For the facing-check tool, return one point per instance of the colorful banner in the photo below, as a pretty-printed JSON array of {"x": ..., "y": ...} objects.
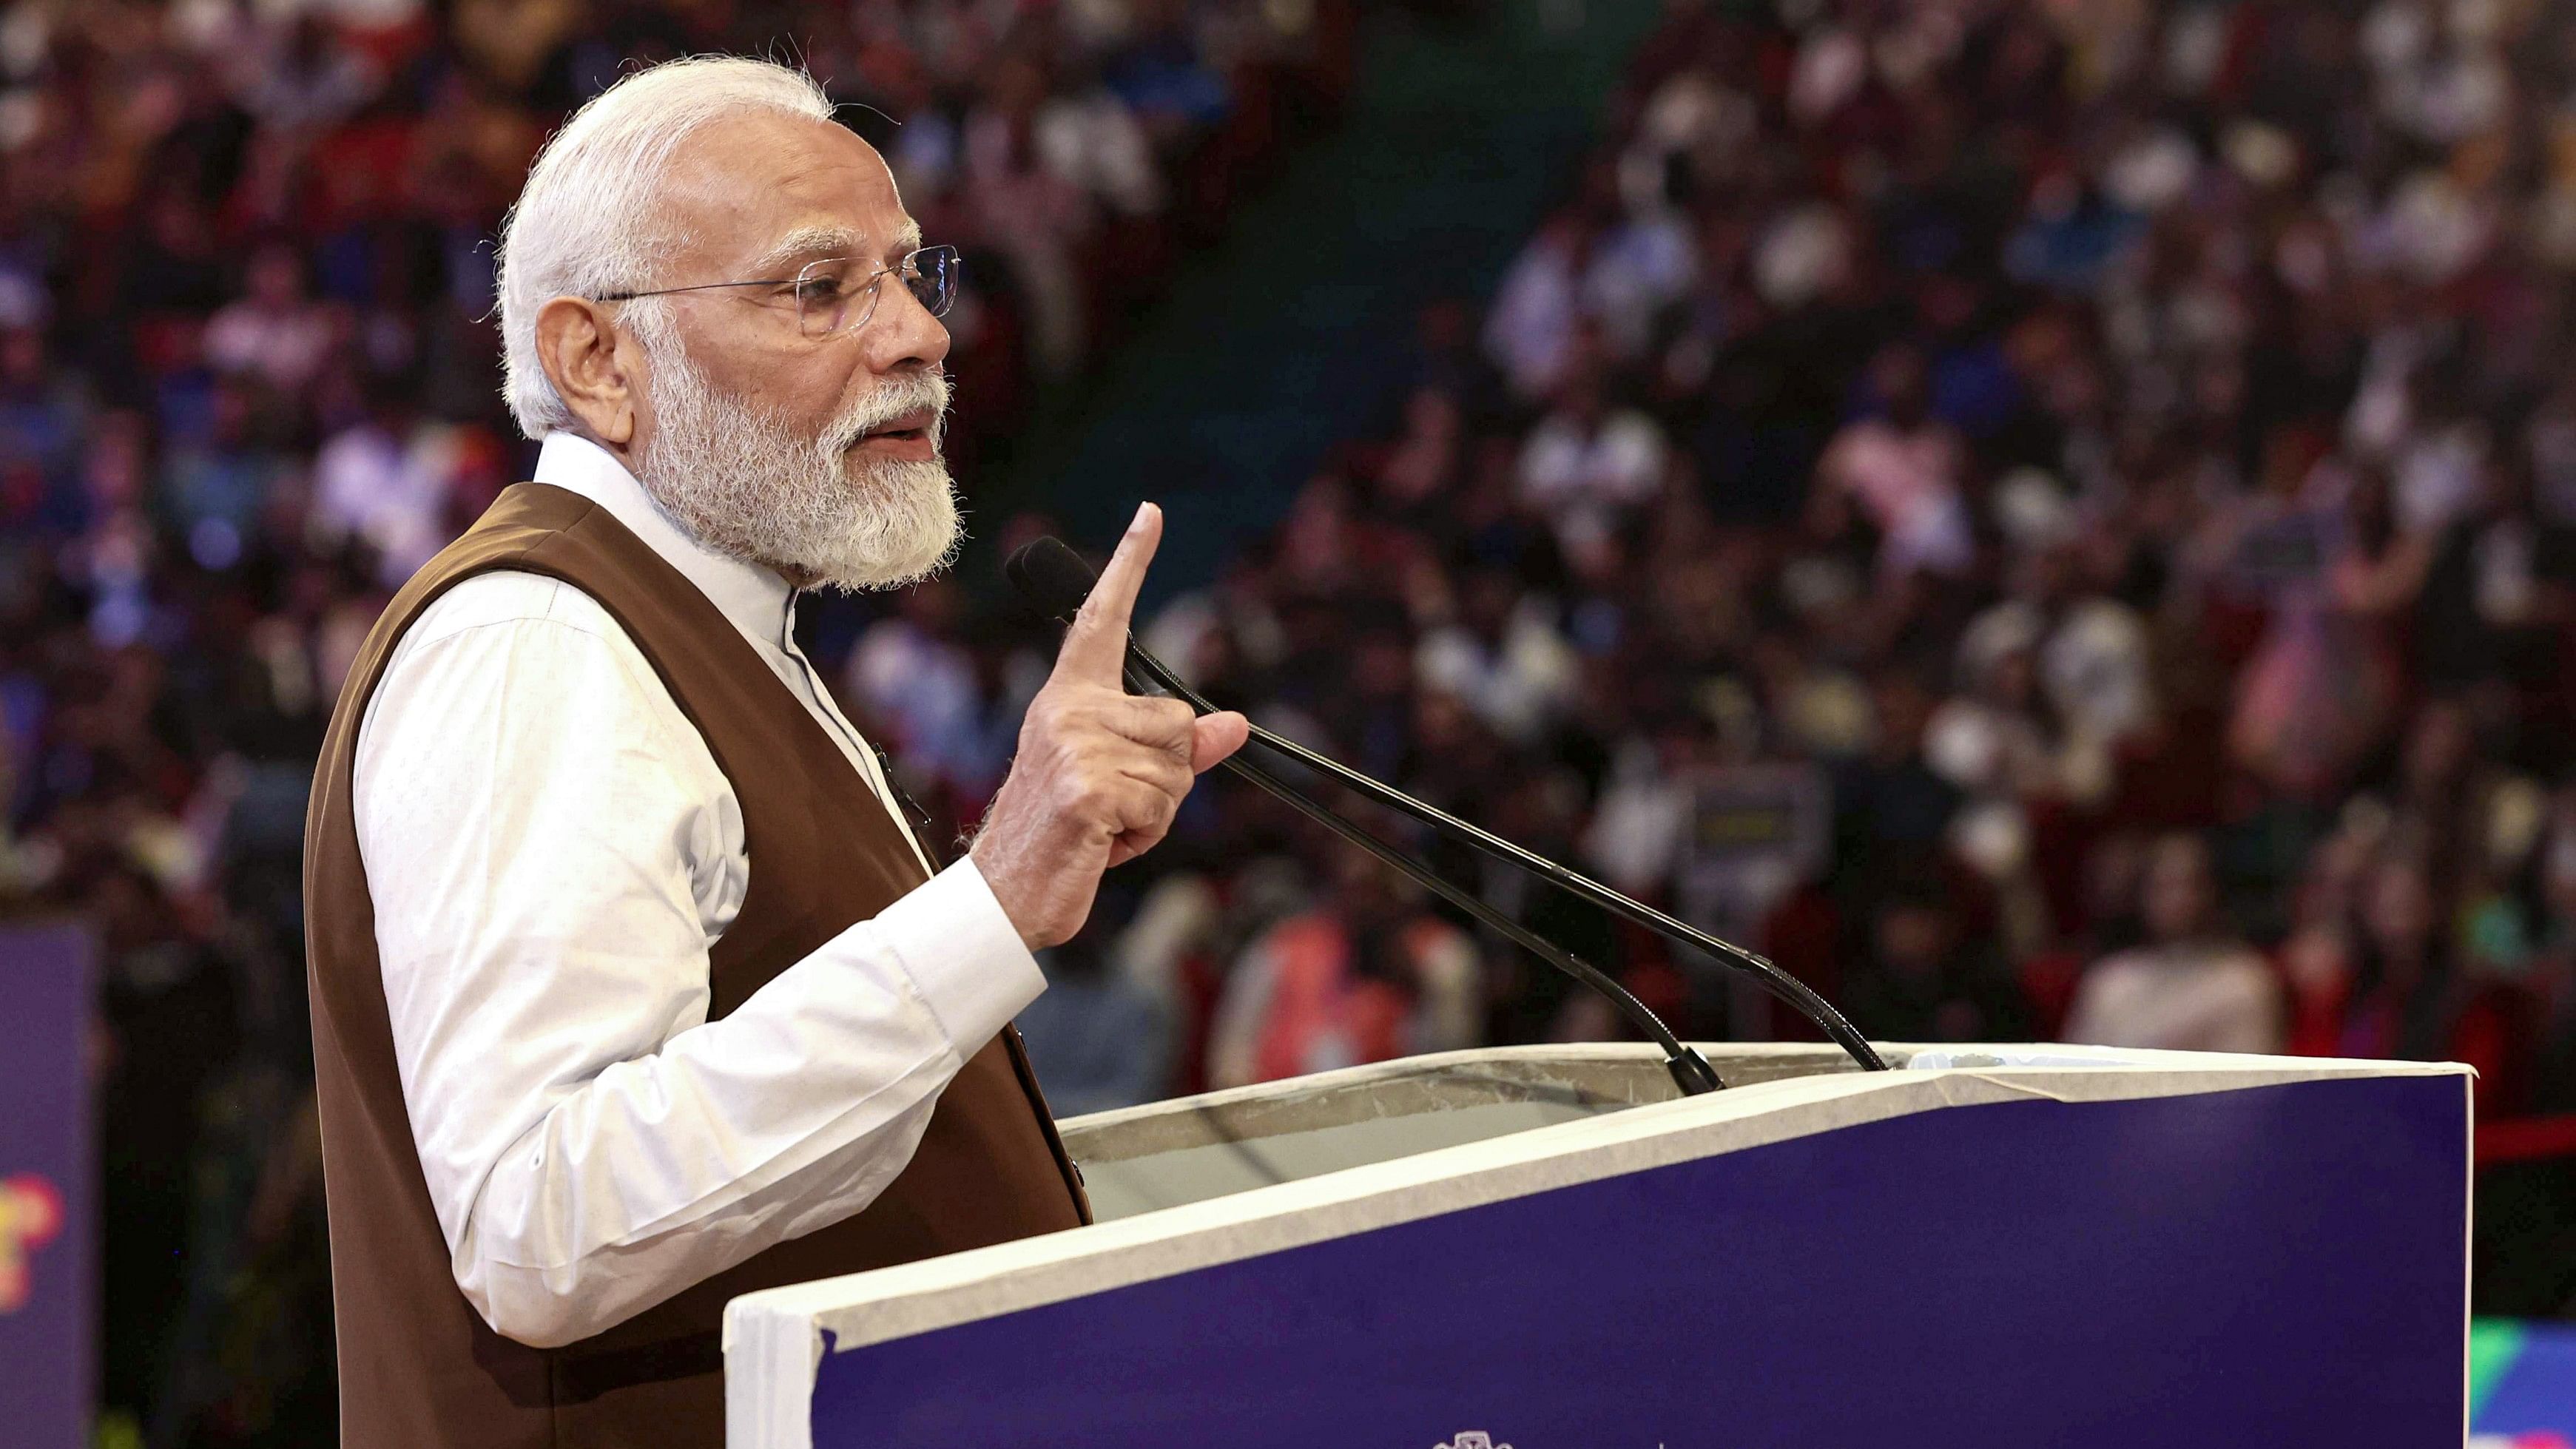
[
  {"x": 2522, "y": 1385},
  {"x": 47, "y": 1213}
]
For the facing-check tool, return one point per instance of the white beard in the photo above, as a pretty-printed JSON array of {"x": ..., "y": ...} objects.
[{"x": 741, "y": 482}]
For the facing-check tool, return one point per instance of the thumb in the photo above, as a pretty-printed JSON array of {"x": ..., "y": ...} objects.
[{"x": 1215, "y": 736}]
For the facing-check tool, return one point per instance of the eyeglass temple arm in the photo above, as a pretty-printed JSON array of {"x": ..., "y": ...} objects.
[{"x": 875, "y": 277}]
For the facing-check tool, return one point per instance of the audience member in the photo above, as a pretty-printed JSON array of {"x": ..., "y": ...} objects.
[{"x": 2192, "y": 986}]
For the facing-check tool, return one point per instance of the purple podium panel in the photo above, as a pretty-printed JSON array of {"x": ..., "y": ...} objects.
[
  {"x": 45, "y": 1206},
  {"x": 2274, "y": 1264}
]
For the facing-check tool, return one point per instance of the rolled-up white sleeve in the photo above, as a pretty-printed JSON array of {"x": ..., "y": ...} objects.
[{"x": 552, "y": 852}]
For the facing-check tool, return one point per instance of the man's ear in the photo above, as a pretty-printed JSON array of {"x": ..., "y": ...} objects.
[{"x": 594, "y": 367}]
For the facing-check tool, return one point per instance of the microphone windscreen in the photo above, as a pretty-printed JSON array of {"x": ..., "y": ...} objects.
[{"x": 1051, "y": 576}]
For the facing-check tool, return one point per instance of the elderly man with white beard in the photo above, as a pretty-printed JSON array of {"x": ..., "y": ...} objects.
[{"x": 631, "y": 989}]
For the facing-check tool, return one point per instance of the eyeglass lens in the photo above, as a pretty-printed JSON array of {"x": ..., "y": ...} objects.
[{"x": 842, "y": 292}]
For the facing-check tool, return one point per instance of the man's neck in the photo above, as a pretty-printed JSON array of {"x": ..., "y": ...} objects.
[
  {"x": 631, "y": 459},
  {"x": 750, "y": 593}
]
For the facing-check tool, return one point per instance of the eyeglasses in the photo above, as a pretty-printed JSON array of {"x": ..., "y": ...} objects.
[{"x": 837, "y": 294}]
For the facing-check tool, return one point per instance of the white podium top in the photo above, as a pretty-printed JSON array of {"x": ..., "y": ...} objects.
[{"x": 1200, "y": 1181}]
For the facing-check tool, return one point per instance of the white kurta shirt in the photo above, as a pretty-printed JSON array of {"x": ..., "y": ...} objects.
[{"x": 552, "y": 851}]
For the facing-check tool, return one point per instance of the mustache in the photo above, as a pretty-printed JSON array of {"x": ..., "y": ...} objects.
[{"x": 912, "y": 392}]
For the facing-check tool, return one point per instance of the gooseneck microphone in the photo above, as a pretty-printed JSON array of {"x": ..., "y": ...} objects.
[{"x": 1053, "y": 578}]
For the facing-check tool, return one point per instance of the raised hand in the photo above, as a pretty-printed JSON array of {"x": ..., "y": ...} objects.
[{"x": 1100, "y": 772}]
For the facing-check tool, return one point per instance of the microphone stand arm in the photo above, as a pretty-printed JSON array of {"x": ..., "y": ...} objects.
[
  {"x": 1690, "y": 1070},
  {"x": 1779, "y": 983}
]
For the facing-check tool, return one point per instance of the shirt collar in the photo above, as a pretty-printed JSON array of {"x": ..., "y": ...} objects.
[{"x": 753, "y": 597}]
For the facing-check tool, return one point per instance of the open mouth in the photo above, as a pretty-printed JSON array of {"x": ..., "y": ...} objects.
[{"x": 908, "y": 427}]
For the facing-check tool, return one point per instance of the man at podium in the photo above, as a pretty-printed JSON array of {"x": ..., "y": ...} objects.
[{"x": 632, "y": 991}]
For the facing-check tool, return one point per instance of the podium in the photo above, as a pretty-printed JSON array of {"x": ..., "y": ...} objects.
[{"x": 1548, "y": 1248}]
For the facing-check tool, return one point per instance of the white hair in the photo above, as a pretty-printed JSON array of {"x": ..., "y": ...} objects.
[{"x": 592, "y": 219}]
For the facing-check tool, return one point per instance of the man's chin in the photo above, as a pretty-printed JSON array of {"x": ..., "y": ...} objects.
[
  {"x": 877, "y": 577},
  {"x": 923, "y": 543},
  {"x": 877, "y": 472}
]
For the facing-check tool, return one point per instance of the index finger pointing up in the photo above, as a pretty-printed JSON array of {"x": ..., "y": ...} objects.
[{"x": 1095, "y": 648}]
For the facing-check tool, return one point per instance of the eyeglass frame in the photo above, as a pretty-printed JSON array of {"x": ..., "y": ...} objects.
[{"x": 875, "y": 285}]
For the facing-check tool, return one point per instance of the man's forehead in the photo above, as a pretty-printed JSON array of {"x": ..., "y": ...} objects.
[{"x": 765, "y": 186}]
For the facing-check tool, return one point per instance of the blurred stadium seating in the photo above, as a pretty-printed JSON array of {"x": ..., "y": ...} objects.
[{"x": 2050, "y": 519}]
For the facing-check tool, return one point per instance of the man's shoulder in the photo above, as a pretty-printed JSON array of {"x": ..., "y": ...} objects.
[
  {"x": 546, "y": 646},
  {"x": 502, "y": 597}
]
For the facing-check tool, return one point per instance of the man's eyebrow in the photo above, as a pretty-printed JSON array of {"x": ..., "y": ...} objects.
[{"x": 808, "y": 243}]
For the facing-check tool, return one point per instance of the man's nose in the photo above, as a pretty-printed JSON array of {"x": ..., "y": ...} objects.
[{"x": 903, "y": 334}]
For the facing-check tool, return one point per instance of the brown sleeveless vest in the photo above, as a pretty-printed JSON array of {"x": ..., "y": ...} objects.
[{"x": 419, "y": 1369}]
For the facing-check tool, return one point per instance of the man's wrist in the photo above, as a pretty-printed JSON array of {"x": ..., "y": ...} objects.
[
  {"x": 992, "y": 867},
  {"x": 965, "y": 954}
]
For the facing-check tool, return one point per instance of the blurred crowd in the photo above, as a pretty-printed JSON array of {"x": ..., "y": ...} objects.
[
  {"x": 2051, "y": 521},
  {"x": 249, "y": 381}
]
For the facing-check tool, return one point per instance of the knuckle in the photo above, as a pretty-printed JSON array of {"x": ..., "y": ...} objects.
[
  {"x": 1071, "y": 717},
  {"x": 1093, "y": 785}
]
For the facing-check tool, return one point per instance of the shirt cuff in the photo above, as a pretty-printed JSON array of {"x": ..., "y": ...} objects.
[{"x": 963, "y": 954}]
